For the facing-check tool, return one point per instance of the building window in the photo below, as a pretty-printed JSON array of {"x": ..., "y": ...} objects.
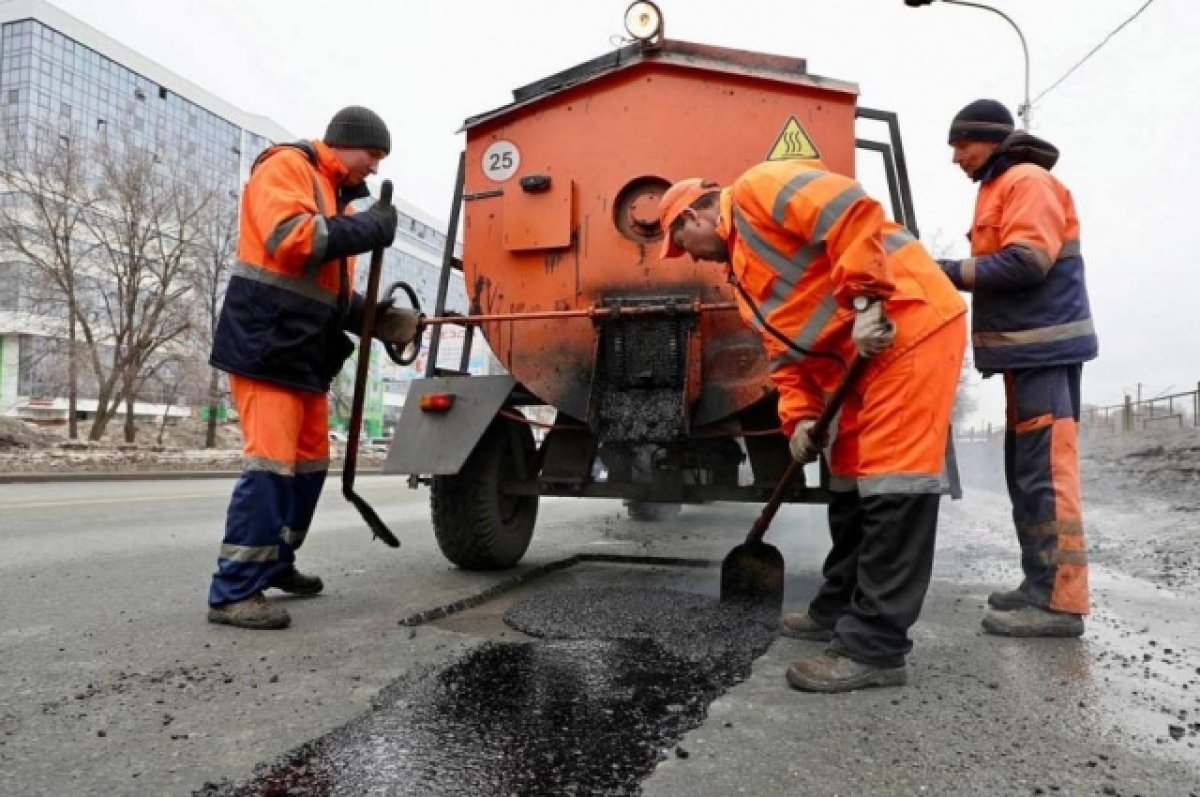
[
  {"x": 162, "y": 92},
  {"x": 38, "y": 370},
  {"x": 12, "y": 284},
  {"x": 14, "y": 96}
]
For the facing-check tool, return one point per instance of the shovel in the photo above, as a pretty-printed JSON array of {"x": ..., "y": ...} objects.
[
  {"x": 753, "y": 571},
  {"x": 360, "y": 391}
]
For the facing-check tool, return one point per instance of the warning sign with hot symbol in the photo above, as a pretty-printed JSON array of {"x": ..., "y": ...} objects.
[{"x": 793, "y": 142}]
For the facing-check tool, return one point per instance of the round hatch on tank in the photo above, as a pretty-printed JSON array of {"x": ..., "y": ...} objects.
[{"x": 635, "y": 211}]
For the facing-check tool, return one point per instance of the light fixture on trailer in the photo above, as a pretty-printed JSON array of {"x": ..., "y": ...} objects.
[{"x": 644, "y": 22}]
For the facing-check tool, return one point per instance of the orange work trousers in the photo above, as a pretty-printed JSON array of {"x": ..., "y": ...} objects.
[
  {"x": 1041, "y": 467},
  {"x": 286, "y": 451}
]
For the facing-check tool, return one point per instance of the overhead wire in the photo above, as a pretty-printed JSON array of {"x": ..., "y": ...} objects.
[{"x": 1092, "y": 52}]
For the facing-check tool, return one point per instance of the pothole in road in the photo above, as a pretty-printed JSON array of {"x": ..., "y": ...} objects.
[{"x": 588, "y": 678}]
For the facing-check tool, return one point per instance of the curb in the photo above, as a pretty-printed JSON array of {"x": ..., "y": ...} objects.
[{"x": 138, "y": 476}]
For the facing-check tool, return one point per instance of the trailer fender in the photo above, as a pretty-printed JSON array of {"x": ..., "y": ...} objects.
[{"x": 438, "y": 443}]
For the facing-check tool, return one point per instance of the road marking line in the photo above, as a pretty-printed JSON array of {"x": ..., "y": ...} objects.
[
  {"x": 79, "y": 501},
  {"x": 130, "y": 500}
]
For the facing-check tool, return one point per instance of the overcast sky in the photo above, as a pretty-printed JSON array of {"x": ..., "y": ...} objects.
[{"x": 1127, "y": 122}]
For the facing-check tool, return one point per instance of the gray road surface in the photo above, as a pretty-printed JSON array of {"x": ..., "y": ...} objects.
[{"x": 113, "y": 683}]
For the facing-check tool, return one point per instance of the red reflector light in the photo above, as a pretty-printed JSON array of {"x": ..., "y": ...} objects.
[{"x": 437, "y": 402}]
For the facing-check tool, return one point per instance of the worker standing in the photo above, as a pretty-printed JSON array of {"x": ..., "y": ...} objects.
[
  {"x": 815, "y": 263},
  {"x": 281, "y": 337},
  {"x": 1031, "y": 322}
]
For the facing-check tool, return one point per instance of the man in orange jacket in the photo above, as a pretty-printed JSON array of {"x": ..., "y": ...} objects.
[
  {"x": 1031, "y": 322},
  {"x": 815, "y": 263},
  {"x": 281, "y": 337}
]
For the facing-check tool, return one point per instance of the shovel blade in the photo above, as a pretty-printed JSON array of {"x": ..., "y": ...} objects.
[{"x": 752, "y": 573}]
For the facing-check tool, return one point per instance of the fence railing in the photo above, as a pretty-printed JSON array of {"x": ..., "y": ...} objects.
[{"x": 1173, "y": 411}]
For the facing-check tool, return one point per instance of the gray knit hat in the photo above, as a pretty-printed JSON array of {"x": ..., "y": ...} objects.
[{"x": 356, "y": 127}]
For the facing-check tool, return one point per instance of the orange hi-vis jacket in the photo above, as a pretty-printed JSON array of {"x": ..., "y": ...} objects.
[
  {"x": 1026, "y": 273},
  {"x": 803, "y": 242},
  {"x": 282, "y": 320}
]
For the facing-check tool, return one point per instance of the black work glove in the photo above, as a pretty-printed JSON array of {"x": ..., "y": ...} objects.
[
  {"x": 382, "y": 219},
  {"x": 356, "y": 233}
]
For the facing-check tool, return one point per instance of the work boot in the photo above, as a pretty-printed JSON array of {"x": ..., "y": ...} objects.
[
  {"x": 798, "y": 625},
  {"x": 253, "y": 612},
  {"x": 1009, "y": 600},
  {"x": 833, "y": 672},
  {"x": 1032, "y": 621},
  {"x": 293, "y": 582}
]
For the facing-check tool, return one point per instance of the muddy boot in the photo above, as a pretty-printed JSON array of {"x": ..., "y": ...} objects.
[
  {"x": 832, "y": 672},
  {"x": 293, "y": 582},
  {"x": 1012, "y": 599},
  {"x": 1032, "y": 621},
  {"x": 798, "y": 625},
  {"x": 253, "y": 612}
]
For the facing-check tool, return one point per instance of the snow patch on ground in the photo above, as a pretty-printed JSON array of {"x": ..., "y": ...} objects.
[
  {"x": 1141, "y": 501},
  {"x": 28, "y": 448}
]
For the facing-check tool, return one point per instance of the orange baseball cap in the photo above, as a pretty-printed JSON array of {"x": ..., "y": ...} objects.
[{"x": 677, "y": 198}]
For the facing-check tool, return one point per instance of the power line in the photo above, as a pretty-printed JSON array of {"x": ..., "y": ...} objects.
[{"x": 1093, "y": 51}]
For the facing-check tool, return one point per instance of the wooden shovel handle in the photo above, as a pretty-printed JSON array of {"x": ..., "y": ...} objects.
[{"x": 819, "y": 431}]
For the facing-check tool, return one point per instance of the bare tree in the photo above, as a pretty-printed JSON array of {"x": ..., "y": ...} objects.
[
  {"x": 216, "y": 248},
  {"x": 175, "y": 381},
  {"x": 111, "y": 235},
  {"x": 145, "y": 223},
  {"x": 965, "y": 401},
  {"x": 45, "y": 176}
]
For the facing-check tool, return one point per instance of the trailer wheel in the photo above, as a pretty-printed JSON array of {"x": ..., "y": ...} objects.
[
  {"x": 651, "y": 512},
  {"x": 477, "y": 526}
]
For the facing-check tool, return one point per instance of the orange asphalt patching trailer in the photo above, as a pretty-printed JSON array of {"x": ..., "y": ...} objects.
[
  {"x": 602, "y": 151},
  {"x": 660, "y": 391}
]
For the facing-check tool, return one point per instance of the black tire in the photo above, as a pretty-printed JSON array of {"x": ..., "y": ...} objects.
[
  {"x": 652, "y": 512},
  {"x": 476, "y": 526}
]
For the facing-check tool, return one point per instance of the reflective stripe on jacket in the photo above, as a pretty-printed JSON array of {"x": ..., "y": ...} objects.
[
  {"x": 803, "y": 242},
  {"x": 281, "y": 321},
  {"x": 1026, "y": 272}
]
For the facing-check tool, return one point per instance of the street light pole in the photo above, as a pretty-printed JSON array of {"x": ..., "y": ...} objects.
[{"x": 1024, "y": 110}]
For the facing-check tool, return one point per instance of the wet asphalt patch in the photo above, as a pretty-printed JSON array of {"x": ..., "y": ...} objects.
[{"x": 615, "y": 666}]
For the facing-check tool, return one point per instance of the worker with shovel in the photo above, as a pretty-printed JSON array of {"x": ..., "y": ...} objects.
[
  {"x": 281, "y": 337},
  {"x": 827, "y": 280}
]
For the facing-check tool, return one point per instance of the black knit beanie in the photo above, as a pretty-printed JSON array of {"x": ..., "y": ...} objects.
[
  {"x": 982, "y": 120},
  {"x": 356, "y": 127}
]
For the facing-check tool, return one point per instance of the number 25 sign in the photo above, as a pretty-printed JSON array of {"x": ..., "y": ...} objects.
[{"x": 500, "y": 160}]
